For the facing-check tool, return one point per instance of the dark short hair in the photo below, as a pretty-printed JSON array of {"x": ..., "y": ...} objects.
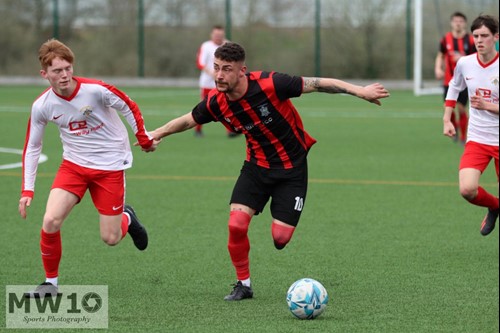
[
  {"x": 488, "y": 21},
  {"x": 231, "y": 52},
  {"x": 458, "y": 14}
]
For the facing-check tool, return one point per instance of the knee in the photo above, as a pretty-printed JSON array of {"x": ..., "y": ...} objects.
[
  {"x": 51, "y": 223},
  {"x": 282, "y": 234},
  {"x": 468, "y": 193},
  {"x": 238, "y": 224},
  {"x": 111, "y": 239}
]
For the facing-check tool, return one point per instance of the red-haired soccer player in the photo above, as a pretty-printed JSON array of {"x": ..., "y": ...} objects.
[
  {"x": 479, "y": 74},
  {"x": 96, "y": 151},
  {"x": 258, "y": 105}
]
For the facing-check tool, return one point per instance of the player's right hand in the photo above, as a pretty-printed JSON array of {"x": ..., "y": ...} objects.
[
  {"x": 24, "y": 202},
  {"x": 449, "y": 129}
]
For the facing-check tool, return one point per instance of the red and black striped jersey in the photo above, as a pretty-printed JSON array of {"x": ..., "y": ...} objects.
[
  {"x": 274, "y": 132},
  {"x": 450, "y": 46}
]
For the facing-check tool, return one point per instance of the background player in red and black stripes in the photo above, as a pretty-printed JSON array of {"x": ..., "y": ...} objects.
[
  {"x": 258, "y": 105},
  {"x": 454, "y": 45}
]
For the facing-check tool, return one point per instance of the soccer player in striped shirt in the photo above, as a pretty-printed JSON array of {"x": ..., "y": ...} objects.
[
  {"x": 258, "y": 105},
  {"x": 454, "y": 45},
  {"x": 478, "y": 73},
  {"x": 96, "y": 152}
]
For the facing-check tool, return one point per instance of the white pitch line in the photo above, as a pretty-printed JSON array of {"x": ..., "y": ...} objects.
[
  {"x": 42, "y": 159},
  {"x": 17, "y": 109}
]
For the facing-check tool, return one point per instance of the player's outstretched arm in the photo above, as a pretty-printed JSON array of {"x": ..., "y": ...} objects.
[
  {"x": 371, "y": 93},
  {"x": 176, "y": 125}
]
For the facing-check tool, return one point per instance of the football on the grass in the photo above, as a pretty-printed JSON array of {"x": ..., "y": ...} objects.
[{"x": 307, "y": 298}]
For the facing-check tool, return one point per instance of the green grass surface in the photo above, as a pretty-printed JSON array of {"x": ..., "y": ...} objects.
[{"x": 384, "y": 227}]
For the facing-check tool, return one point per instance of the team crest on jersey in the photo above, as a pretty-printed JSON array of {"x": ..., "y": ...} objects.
[
  {"x": 86, "y": 110},
  {"x": 494, "y": 80},
  {"x": 264, "y": 111}
]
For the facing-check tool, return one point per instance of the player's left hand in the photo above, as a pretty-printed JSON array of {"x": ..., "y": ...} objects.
[
  {"x": 477, "y": 102},
  {"x": 373, "y": 92}
]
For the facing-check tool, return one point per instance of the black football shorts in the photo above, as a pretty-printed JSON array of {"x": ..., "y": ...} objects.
[
  {"x": 463, "y": 96},
  {"x": 286, "y": 188}
]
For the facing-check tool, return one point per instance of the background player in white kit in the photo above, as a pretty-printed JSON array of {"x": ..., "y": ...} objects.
[
  {"x": 479, "y": 74},
  {"x": 96, "y": 151},
  {"x": 205, "y": 63}
]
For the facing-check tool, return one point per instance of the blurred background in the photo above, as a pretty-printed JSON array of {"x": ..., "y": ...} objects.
[{"x": 159, "y": 38}]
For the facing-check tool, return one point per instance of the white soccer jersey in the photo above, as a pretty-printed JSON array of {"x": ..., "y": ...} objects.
[
  {"x": 206, "y": 58},
  {"x": 91, "y": 131},
  {"x": 481, "y": 79}
]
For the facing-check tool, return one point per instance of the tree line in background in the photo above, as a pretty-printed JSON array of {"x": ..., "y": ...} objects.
[{"x": 359, "y": 38}]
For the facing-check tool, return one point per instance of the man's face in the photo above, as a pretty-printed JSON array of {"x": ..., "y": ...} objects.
[
  {"x": 228, "y": 75},
  {"x": 59, "y": 74},
  {"x": 484, "y": 39},
  {"x": 218, "y": 36},
  {"x": 458, "y": 23}
]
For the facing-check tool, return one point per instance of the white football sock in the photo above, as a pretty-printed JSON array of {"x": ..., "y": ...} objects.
[
  {"x": 246, "y": 282},
  {"x": 52, "y": 280},
  {"x": 129, "y": 218}
]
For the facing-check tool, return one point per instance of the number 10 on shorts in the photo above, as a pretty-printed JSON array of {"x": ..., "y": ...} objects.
[{"x": 299, "y": 204}]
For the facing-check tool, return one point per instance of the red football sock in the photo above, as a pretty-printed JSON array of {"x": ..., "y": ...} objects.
[
  {"x": 124, "y": 225},
  {"x": 485, "y": 199},
  {"x": 462, "y": 123},
  {"x": 51, "y": 250},
  {"x": 238, "y": 243},
  {"x": 281, "y": 234}
]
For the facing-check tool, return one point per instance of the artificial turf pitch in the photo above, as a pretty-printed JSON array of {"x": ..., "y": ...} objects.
[{"x": 384, "y": 227}]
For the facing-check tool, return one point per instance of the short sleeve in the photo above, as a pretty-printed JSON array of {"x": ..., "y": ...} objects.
[
  {"x": 201, "y": 114},
  {"x": 442, "y": 46},
  {"x": 287, "y": 86}
]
